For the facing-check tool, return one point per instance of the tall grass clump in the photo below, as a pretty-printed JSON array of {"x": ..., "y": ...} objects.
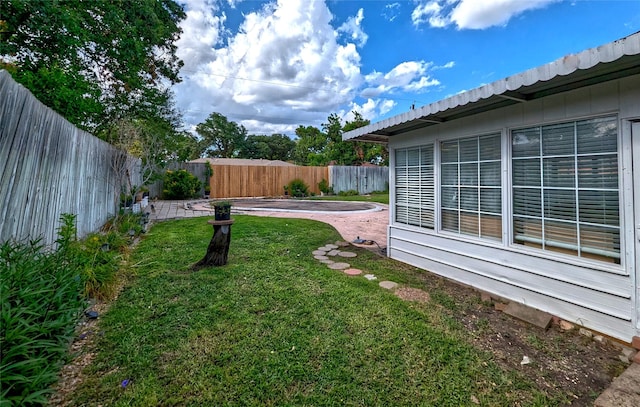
[{"x": 41, "y": 303}]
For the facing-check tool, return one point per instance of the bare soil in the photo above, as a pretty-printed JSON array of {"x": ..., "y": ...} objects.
[{"x": 566, "y": 362}]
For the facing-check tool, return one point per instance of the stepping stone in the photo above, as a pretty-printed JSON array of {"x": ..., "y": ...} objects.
[
  {"x": 319, "y": 257},
  {"x": 318, "y": 252},
  {"x": 324, "y": 248},
  {"x": 333, "y": 253},
  {"x": 389, "y": 285},
  {"x": 340, "y": 243},
  {"x": 353, "y": 272},
  {"x": 347, "y": 254},
  {"x": 339, "y": 266},
  {"x": 327, "y": 261},
  {"x": 370, "y": 277},
  {"x": 331, "y": 246}
]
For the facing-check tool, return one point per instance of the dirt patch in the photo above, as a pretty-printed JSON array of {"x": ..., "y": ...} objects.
[
  {"x": 562, "y": 363},
  {"x": 412, "y": 294},
  {"x": 83, "y": 350}
]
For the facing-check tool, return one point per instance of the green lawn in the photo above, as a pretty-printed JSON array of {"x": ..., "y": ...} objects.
[{"x": 274, "y": 327}]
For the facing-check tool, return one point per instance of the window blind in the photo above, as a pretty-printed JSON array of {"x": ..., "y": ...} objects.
[
  {"x": 470, "y": 186},
  {"x": 565, "y": 188},
  {"x": 414, "y": 190}
]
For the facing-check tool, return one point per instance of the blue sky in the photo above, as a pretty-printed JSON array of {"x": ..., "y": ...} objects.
[{"x": 274, "y": 65}]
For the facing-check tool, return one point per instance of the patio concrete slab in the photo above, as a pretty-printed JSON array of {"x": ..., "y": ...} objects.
[{"x": 624, "y": 391}]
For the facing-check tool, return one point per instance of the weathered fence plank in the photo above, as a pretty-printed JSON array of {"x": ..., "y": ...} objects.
[
  {"x": 362, "y": 179},
  {"x": 50, "y": 167}
]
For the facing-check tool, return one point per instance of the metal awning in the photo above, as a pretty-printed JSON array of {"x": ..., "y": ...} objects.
[{"x": 615, "y": 60}]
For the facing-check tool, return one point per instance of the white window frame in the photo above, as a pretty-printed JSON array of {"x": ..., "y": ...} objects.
[
  {"x": 479, "y": 187},
  {"x": 509, "y": 194},
  {"x": 419, "y": 196}
]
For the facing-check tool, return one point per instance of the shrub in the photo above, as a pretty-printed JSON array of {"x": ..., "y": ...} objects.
[
  {"x": 41, "y": 296},
  {"x": 351, "y": 192},
  {"x": 96, "y": 264},
  {"x": 40, "y": 307},
  {"x": 181, "y": 184},
  {"x": 297, "y": 188},
  {"x": 324, "y": 187}
]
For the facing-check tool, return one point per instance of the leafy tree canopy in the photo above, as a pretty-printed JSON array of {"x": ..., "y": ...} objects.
[
  {"x": 316, "y": 147},
  {"x": 94, "y": 62},
  {"x": 274, "y": 147},
  {"x": 221, "y": 137},
  {"x": 310, "y": 146}
]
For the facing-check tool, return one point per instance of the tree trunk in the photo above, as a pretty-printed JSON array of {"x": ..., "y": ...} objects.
[{"x": 218, "y": 249}]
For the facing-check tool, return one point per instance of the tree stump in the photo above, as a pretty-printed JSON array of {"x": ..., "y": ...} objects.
[{"x": 218, "y": 249}]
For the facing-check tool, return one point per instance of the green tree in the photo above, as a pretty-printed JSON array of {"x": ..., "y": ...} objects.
[
  {"x": 338, "y": 152},
  {"x": 310, "y": 146},
  {"x": 281, "y": 147},
  {"x": 274, "y": 147},
  {"x": 316, "y": 147},
  {"x": 366, "y": 152},
  {"x": 94, "y": 62},
  {"x": 221, "y": 137},
  {"x": 255, "y": 146}
]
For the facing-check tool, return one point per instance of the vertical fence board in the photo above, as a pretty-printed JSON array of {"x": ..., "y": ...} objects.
[
  {"x": 50, "y": 167},
  {"x": 362, "y": 179},
  {"x": 234, "y": 181}
]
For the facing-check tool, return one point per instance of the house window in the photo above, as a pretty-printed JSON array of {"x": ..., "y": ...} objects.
[
  {"x": 470, "y": 186},
  {"x": 414, "y": 186},
  {"x": 565, "y": 188}
]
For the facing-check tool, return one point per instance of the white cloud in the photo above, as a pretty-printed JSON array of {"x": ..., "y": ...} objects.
[
  {"x": 431, "y": 12},
  {"x": 370, "y": 109},
  {"x": 408, "y": 76},
  {"x": 203, "y": 32},
  {"x": 352, "y": 27},
  {"x": 391, "y": 11},
  {"x": 286, "y": 65},
  {"x": 448, "y": 65},
  {"x": 472, "y": 14}
]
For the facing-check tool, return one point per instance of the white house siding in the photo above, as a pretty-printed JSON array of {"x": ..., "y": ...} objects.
[{"x": 597, "y": 295}]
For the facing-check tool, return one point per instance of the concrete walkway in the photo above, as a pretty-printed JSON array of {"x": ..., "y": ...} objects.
[{"x": 162, "y": 210}]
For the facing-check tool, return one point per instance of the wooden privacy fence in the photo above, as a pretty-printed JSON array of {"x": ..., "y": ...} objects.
[
  {"x": 234, "y": 181},
  {"x": 50, "y": 167},
  {"x": 362, "y": 179}
]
